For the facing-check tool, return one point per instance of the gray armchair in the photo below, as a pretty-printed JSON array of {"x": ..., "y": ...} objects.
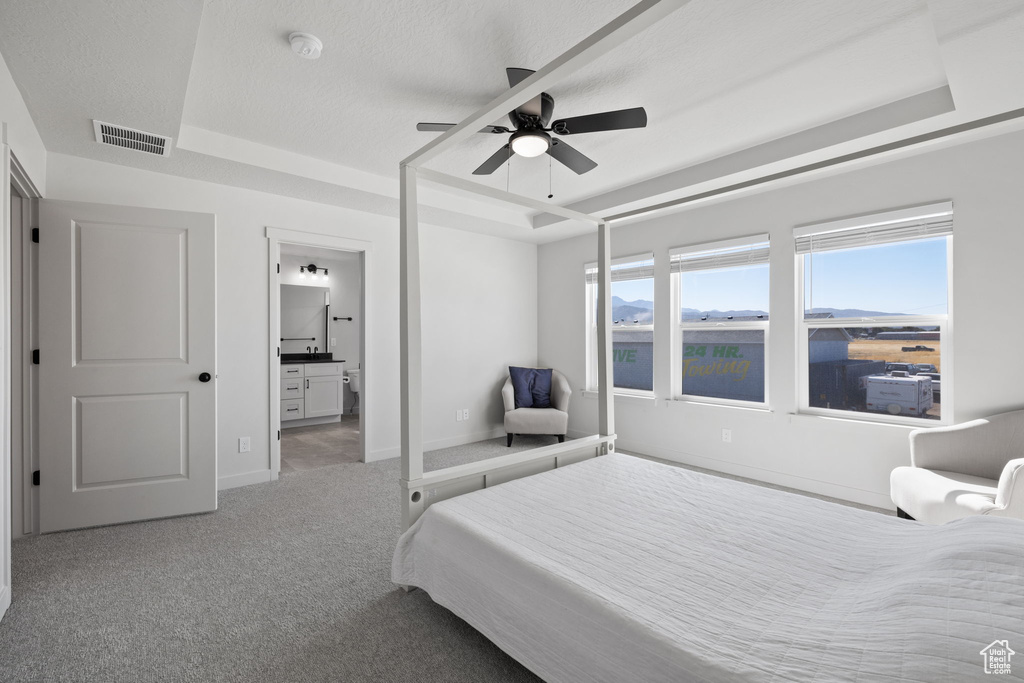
[
  {"x": 553, "y": 420},
  {"x": 974, "y": 468}
]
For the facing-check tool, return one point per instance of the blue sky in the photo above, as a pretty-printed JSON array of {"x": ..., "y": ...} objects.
[{"x": 908, "y": 277}]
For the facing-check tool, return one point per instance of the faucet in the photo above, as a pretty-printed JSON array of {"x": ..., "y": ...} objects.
[
  {"x": 307, "y": 350},
  {"x": 315, "y": 349}
]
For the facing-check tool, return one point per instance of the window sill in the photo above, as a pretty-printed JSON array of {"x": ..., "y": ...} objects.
[
  {"x": 754, "y": 408},
  {"x": 646, "y": 399},
  {"x": 908, "y": 424}
]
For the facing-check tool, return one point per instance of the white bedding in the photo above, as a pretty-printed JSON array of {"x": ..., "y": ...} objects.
[{"x": 619, "y": 569}]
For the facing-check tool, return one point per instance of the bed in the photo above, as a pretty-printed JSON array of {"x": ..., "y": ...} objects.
[{"x": 622, "y": 569}]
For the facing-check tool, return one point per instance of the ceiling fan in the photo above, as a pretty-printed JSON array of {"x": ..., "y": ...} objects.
[{"x": 530, "y": 135}]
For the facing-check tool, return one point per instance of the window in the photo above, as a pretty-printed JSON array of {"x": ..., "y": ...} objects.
[
  {"x": 632, "y": 323},
  {"x": 875, "y": 314},
  {"x": 722, "y": 332}
]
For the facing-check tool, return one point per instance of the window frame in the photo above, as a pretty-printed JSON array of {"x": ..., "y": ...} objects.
[
  {"x": 679, "y": 327},
  {"x": 943, "y": 322},
  {"x": 591, "y": 328}
]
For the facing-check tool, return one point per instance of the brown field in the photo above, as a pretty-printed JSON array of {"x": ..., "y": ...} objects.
[{"x": 891, "y": 351}]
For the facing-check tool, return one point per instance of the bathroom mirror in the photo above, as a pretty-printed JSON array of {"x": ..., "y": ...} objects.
[{"x": 304, "y": 318}]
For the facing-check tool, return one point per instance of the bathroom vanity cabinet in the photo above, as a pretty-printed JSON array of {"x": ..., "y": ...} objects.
[{"x": 311, "y": 390}]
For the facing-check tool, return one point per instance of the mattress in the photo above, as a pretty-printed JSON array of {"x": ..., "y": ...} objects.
[{"x": 620, "y": 569}]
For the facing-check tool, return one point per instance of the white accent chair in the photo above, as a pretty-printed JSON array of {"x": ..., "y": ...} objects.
[
  {"x": 553, "y": 420},
  {"x": 975, "y": 468}
]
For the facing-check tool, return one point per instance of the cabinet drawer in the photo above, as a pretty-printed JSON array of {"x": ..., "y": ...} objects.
[
  {"x": 323, "y": 369},
  {"x": 290, "y": 370},
  {"x": 292, "y": 387},
  {"x": 292, "y": 409}
]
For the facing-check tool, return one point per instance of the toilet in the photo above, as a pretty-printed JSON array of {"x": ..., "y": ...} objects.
[{"x": 353, "y": 380}]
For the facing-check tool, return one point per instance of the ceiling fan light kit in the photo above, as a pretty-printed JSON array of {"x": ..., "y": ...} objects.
[
  {"x": 530, "y": 143},
  {"x": 305, "y": 45},
  {"x": 531, "y": 136}
]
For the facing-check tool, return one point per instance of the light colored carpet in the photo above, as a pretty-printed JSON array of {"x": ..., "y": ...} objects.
[{"x": 288, "y": 581}]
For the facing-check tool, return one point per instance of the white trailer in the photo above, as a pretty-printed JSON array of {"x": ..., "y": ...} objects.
[{"x": 911, "y": 395}]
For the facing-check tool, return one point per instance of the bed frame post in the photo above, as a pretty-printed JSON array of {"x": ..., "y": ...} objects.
[
  {"x": 410, "y": 347},
  {"x": 415, "y": 488},
  {"x": 605, "y": 375}
]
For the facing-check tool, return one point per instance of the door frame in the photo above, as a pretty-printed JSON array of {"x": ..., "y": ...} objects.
[
  {"x": 23, "y": 432},
  {"x": 13, "y": 175},
  {"x": 276, "y": 237}
]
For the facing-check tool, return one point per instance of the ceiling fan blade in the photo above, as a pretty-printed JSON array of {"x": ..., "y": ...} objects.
[
  {"x": 494, "y": 163},
  {"x": 441, "y": 127},
  {"x": 534, "y": 107},
  {"x": 517, "y": 75},
  {"x": 571, "y": 157},
  {"x": 434, "y": 127},
  {"x": 609, "y": 120}
]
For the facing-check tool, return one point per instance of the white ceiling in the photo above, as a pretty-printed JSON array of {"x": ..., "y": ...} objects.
[{"x": 716, "y": 78}]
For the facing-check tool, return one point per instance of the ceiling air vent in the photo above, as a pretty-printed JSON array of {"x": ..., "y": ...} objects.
[{"x": 119, "y": 136}]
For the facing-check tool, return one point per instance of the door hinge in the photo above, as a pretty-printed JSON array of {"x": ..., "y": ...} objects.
[
  {"x": 278, "y": 351},
  {"x": 35, "y": 478},
  {"x": 279, "y": 268},
  {"x": 35, "y": 356},
  {"x": 35, "y": 235},
  {"x": 278, "y": 434}
]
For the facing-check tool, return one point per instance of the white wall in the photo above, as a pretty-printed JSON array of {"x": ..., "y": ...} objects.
[
  {"x": 242, "y": 299},
  {"x": 19, "y": 131},
  {"x": 843, "y": 458},
  {"x": 479, "y": 305}
]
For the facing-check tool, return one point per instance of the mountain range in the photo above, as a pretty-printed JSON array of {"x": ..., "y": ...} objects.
[{"x": 641, "y": 312}]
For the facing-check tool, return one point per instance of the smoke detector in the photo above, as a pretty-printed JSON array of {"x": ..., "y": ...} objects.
[{"x": 306, "y": 45}]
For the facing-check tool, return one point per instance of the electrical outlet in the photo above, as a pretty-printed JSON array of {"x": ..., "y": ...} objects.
[
  {"x": 458, "y": 415},
  {"x": 727, "y": 435},
  {"x": 465, "y": 414},
  {"x": 243, "y": 444},
  {"x": 334, "y": 341}
]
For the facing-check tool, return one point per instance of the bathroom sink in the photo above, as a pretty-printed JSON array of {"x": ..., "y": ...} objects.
[{"x": 306, "y": 357}]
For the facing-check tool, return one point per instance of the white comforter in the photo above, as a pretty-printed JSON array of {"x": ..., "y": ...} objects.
[{"x": 619, "y": 569}]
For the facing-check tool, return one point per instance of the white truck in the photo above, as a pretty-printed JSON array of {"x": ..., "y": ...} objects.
[{"x": 910, "y": 395}]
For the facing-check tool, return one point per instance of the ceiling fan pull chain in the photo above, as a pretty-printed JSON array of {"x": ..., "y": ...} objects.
[
  {"x": 508, "y": 176},
  {"x": 550, "y": 192}
]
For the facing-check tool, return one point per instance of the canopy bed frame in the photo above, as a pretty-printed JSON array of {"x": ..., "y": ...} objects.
[
  {"x": 618, "y": 568},
  {"x": 420, "y": 490}
]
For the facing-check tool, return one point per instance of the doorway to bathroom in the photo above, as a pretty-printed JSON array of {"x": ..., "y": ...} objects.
[{"x": 318, "y": 332}]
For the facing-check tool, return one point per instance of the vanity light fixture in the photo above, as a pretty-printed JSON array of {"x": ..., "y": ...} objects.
[{"x": 312, "y": 269}]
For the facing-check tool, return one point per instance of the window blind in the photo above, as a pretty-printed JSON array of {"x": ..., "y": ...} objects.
[
  {"x": 730, "y": 257},
  {"x": 870, "y": 235},
  {"x": 636, "y": 270}
]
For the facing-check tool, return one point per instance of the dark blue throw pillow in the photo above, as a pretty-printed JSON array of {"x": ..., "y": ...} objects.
[
  {"x": 531, "y": 386},
  {"x": 542, "y": 388},
  {"x": 522, "y": 386}
]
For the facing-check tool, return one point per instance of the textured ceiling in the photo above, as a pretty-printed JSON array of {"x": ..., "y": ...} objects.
[
  {"x": 713, "y": 76},
  {"x": 716, "y": 78}
]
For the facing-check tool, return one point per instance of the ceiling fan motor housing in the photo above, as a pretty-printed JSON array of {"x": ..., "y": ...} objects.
[{"x": 524, "y": 119}]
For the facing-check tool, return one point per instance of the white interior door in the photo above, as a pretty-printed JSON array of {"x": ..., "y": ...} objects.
[{"x": 127, "y": 390}]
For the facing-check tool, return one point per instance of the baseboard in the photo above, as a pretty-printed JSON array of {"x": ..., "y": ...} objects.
[
  {"x": 436, "y": 444},
  {"x": 233, "y": 481},
  {"x": 462, "y": 439},
  {"x": 821, "y": 488},
  {"x": 5, "y": 600},
  {"x": 383, "y": 454},
  {"x": 310, "y": 421}
]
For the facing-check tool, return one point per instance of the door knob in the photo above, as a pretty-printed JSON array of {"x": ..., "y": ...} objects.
[{"x": 205, "y": 377}]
